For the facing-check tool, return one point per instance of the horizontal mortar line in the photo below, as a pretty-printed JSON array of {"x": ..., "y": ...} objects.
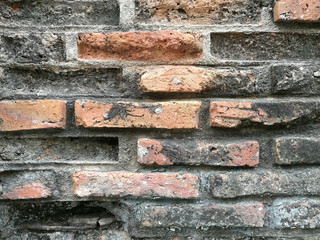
[
  {"x": 205, "y": 29},
  {"x": 84, "y": 162},
  {"x": 111, "y": 64}
]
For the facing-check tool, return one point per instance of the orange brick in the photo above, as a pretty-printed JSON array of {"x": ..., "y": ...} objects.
[
  {"x": 174, "y": 79},
  {"x": 26, "y": 185},
  {"x": 141, "y": 46},
  {"x": 28, "y": 191},
  {"x": 119, "y": 184},
  {"x": 27, "y": 115},
  {"x": 297, "y": 10},
  {"x": 168, "y": 115}
]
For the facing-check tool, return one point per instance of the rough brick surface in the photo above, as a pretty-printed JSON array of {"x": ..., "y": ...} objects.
[
  {"x": 297, "y": 150},
  {"x": 32, "y": 48},
  {"x": 169, "y": 115},
  {"x": 285, "y": 183},
  {"x": 296, "y": 213},
  {"x": 232, "y": 114},
  {"x": 265, "y": 46},
  {"x": 297, "y": 10},
  {"x": 28, "y": 185},
  {"x": 63, "y": 149},
  {"x": 141, "y": 46},
  {"x": 198, "y": 12},
  {"x": 59, "y": 13},
  {"x": 190, "y": 79},
  {"x": 28, "y": 115},
  {"x": 165, "y": 152},
  {"x": 197, "y": 215},
  {"x": 60, "y": 81},
  {"x": 120, "y": 184},
  {"x": 301, "y": 79}
]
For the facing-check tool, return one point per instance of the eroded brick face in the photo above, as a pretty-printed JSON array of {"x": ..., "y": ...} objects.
[
  {"x": 190, "y": 79},
  {"x": 297, "y": 11},
  {"x": 165, "y": 152},
  {"x": 26, "y": 185},
  {"x": 201, "y": 215},
  {"x": 120, "y": 184},
  {"x": 140, "y": 46},
  {"x": 230, "y": 114},
  {"x": 28, "y": 115},
  {"x": 198, "y": 12},
  {"x": 168, "y": 115}
]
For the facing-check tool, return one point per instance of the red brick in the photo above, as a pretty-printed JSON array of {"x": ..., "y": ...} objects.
[
  {"x": 169, "y": 115},
  {"x": 297, "y": 11},
  {"x": 232, "y": 114},
  {"x": 27, "y": 191},
  {"x": 141, "y": 46},
  {"x": 26, "y": 185},
  {"x": 27, "y": 115},
  {"x": 169, "y": 152},
  {"x": 120, "y": 184},
  {"x": 202, "y": 12}
]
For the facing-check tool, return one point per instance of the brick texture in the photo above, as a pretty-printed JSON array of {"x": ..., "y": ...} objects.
[
  {"x": 198, "y": 12},
  {"x": 169, "y": 115},
  {"x": 296, "y": 213},
  {"x": 140, "y": 46},
  {"x": 32, "y": 185},
  {"x": 28, "y": 115},
  {"x": 297, "y": 150},
  {"x": 120, "y": 184},
  {"x": 230, "y": 114},
  {"x": 297, "y": 11},
  {"x": 284, "y": 183},
  {"x": 189, "y": 79},
  {"x": 201, "y": 153},
  {"x": 197, "y": 215}
]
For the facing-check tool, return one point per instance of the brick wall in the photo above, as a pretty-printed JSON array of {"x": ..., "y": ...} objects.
[{"x": 149, "y": 119}]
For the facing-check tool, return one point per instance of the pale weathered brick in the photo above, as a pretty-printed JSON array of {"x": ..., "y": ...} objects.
[
  {"x": 140, "y": 46},
  {"x": 28, "y": 115},
  {"x": 121, "y": 184},
  {"x": 169, "y": 115}
]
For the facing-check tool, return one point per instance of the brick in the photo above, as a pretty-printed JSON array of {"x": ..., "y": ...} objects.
[
  {"x": 121, "y": 184},
  {"x": 200, "y": 215},
  {"x": 231, "y": 114},
  {"x": 62, "y": 149},
  {"x": 296, "y": 213},
  {"x": 140, "y": 46},
  {"x": 57, "y": 81},
  {"x": 171, "y": 152},
  {"x": 189, "y": 79},
  {"x": 198, "y": 12},
  {"x": 26, "y": 185},
  {"x": 32, "y": 48},
  {"x": 301, "y": 79},
  {"x": 59, "y": 13},
  {"x": 265, "y": 46},
  {"x": 169, "y": 115},
  {"x": 297, "y": 150},
  {"x": 297, "y": 11},
  {"x": 273, "y": 182},
  {"x": 28, "y": 115}
]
